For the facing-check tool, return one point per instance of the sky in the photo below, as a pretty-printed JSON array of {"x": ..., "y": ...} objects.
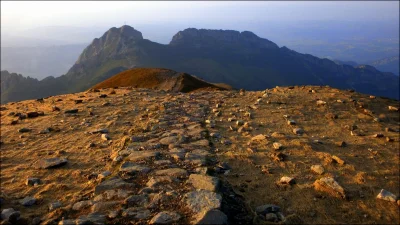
[{"x": 31, "y": 14}]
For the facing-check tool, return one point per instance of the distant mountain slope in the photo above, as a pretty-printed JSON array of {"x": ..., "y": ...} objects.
[
  {"x": 154, "y": 78},
  {"x": 15, "y": 87},
  {"x": 350, "y": 63},
  {"x": 390, "y": 64},
  {"x": 240, "y": 59}
]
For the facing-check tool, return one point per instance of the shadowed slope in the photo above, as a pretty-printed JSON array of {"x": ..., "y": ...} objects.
[{"x": 157, "y": 78}]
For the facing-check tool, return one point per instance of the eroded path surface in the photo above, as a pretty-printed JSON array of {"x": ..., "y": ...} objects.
[{"x": 284, "y": 155}]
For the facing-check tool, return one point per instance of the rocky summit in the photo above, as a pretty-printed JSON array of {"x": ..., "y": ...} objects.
[
  {"x": 159, "y": 79},
  {"x": 124, "y": 155}
]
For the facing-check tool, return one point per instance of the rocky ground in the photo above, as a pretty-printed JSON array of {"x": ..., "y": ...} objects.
[{"x": 287, "y": 155}]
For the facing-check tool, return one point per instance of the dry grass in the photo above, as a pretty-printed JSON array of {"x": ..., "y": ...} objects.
[{"x": 370, "y": 163}]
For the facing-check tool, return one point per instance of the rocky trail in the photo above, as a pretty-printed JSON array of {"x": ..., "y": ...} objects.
[{"x": 287, "y": 155}]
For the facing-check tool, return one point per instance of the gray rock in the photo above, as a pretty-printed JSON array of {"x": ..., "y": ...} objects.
[
  {"x": 159, "y": 180},
  {"x": 213, "y": 216},
  {"x": 31, "y": 181},
  {"x": 201, "y": 143},
  {"x": 318, "y": 169},
  {"x": 137, "y": 200},
  {"x": 82, "y": 204},
  {"x": 202, "y": 200},
  {"x": 50, "y": 163},
  {"x": 54, "y": 205},
  {"x": 298, "y": 131},
  {"x": 10, "y": 215},
  {"x": 162, "y": 162},
  {"x": 69, "y": 111},
  {"x": 24, "y": 130},
  {"x": 259, "y": 137},
  {"x": 386, "y": 195},
  {"x": 111, "y": 194},
  {"x": 112, "y": 183},
  {"x": 204, "y": 182},
  {"x": 130, "y": 167},
  {"x": 286, "y": 180},
  {"x": 215, "y": 135},
  {"x": 165, "y": 217},
  {"x": 27, "y": 201},
  {"x": 136, "y": 213},
  {"x": 329, "y": 185},
  {"x": 142, "y": 155},
  {"x": 268, "y": 208},
  {"x": 45, "y": 131},
  {"x": 169, "y": 140},
  {"x": 104, "y": 206},
  {"x": 197, "y": 157}
]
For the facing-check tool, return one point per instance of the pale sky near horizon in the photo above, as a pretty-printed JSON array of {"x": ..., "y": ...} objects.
[{"x": 27, "y": 15}]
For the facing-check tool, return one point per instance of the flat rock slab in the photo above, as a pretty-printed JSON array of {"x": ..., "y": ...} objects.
[
  {"x": 136, "y": 213},
  {"x": 105, "y": 206},
  {"x": 50, "y": 163},
  {"x": 330, "y": 186},
  {"x": 201, "y": 143},
  {"x": 142, "y": 155},
  {"x": 137, "y": 200},
  {"x": 92, "y": 218},
  {"x": 113, "y": 183},
  {"x": 82, "y": 204},
  {"x": 197, "y": 157},
  {"x": 130, "y": 167},
  {"x": 199, "y": 201},
  {"x": 165, "y": 217},
  {"x": 172, "y": 172},
  {"x": 169, "y": 140},
  {"x": 204, "y": 182},
  {"x": 259, "y": 137},
  {"x": 159, "y": 180}
]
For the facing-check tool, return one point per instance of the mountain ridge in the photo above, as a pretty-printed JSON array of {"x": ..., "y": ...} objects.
[{"x": 240, "y": 59}]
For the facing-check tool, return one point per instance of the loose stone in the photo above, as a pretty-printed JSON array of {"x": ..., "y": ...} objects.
[{"x": 386, "y": 195}]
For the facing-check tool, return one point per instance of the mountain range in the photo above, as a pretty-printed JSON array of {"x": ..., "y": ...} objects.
[
  {"x": 240, "y": 59},
  {"x": 388, "y": 64}
]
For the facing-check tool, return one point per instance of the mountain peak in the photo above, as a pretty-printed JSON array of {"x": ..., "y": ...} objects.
[
  {"x": 207, "y": 37},
  {"x": 113, "y": 41}
]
